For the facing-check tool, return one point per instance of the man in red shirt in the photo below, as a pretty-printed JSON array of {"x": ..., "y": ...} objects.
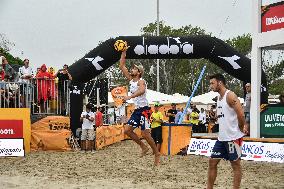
[{"x": 99, "y": 117}]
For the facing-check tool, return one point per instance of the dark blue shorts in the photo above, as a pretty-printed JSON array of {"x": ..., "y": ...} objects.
[
  {"x": 228, "y": 150},
  {"x": 140, "y": 118}
]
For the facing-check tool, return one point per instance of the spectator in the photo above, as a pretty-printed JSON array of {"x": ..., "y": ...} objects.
[
  {"x": 247, "y": 105},
  {"x": 26, "y": 72},
  {"x": 52, "y": 83},
  {"x": 171, "y": 113},
  {"x": 212, "y": 118},
  {"x": 63, "y": 76},
  {"x": 43, "y": 86},
  {"x": 202, "y": 121},
  {"x": 178, "y": 115},
  {"x": 99, "y": 117},
  {"x": 87, "y": 136},
  {"x": 281, "y": 99},
  {"x": 6, "y": 69},
  {"x": 156, "y": 126},
  {"x": 37, "y": 71},
  {"x": 194, "y": 120}
]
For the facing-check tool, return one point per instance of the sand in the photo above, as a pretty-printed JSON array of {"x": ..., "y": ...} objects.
[{"x": 119, "y": 166}]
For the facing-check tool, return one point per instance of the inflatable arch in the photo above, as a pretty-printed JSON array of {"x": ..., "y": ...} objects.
[{"x": 153, "y": 47}]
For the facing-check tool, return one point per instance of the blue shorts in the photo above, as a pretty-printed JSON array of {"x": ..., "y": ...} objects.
[
  {"x": 228, "y": 150},
  {"x": 140, "y": 118}
]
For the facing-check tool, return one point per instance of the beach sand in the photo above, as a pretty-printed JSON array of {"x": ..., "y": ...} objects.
[{"x": 119, "y": 166}]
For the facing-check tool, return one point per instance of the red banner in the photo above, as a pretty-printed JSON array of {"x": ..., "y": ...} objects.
[
  {"x": 272, "y": 17},
  {"x": 11, "y": 128}
]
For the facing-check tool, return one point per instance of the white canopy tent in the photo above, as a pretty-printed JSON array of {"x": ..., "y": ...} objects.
[{"x": 162, "y": 98}]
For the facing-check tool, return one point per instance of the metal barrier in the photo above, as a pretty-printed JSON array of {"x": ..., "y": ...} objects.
[{"x": 42, "y": 96}]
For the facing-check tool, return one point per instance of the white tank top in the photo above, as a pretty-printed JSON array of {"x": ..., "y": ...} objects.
[
  {"x": 228, "y": 122},
  {"x": 139, "y": 101}
]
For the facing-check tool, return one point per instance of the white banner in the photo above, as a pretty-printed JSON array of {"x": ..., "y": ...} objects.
[
  {"x": 12, "y": 147},
  {"x": 256, "y": 151}
]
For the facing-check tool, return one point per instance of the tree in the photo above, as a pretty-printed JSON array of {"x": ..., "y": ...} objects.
[{"x": 5, "y": 47}]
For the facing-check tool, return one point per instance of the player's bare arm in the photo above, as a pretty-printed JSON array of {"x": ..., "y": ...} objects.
[
  {"x": 123, "y": 67},
  {"x": 234, "y": 103}
]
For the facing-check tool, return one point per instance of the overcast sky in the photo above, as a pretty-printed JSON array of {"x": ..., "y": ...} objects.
[{"x": 58, "y": 32}]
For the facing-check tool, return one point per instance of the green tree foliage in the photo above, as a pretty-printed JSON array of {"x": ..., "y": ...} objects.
[{"x": 5, "y": 47}]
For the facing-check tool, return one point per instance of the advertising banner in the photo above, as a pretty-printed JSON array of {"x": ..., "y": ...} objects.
[
  {"x": 11, "y": 129},
  {"x": 272, "y": 122},
  {"x": 12, "y": 147},
  {"x": 272, "y": 17},
  {"x": 16, "y": 123},
  {"x": 255, "y": 151}
]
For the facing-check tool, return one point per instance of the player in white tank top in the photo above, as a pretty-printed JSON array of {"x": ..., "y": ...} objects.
[
  {"x": 231, "y": 128},
  {"x": 139, "y": 101},
  {"x": 139, "y": 117},
  {"x": 228, "y": 121}
]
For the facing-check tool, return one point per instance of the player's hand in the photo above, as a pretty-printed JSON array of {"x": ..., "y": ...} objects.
[{"x": 245, "y": 129}]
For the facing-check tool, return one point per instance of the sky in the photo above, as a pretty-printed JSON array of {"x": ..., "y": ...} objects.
[{"x": 55, "y": 33}]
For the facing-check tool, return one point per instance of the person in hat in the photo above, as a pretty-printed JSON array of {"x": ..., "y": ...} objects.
[
  {"x": 156, "y": 125},
  {"x": 171, "y": 113},
  {"x": 141, "y": 115}
]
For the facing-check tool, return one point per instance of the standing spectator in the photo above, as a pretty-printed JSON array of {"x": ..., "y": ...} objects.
[
  {"x": 178, "y": 115},
  {"x": 87, "y": 136},
  {"x": 6, "y": 69},
  {"x": 43, "y": 86},
  {"x": 156, "y": 126},
  {"x": 194, "y": 120},
  {"x": 232, "y": 127},
  {"x": 25, "y": 72},
  {"x": 26, "y": 75},
  {"x": 281, "y": 99},
  {"x": 99, "y": 117},
  {"x": 247, "y": 105},
  {"x": 171, "y": 113},
  {"x": 202, "y": 121},
  {"x": 212, "y": 118},
  {"x": 63, "y": 76}
]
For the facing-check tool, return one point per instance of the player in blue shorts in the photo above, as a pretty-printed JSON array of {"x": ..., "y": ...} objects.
[
  {"x": 141, "y": 115},
  {"x": 231, "y": 130}
]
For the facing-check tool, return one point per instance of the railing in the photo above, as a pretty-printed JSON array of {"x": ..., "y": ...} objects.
[{"x": 42, "y": 96}]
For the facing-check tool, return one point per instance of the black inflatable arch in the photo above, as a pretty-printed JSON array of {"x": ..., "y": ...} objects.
[{"x": 152, "y": 47}]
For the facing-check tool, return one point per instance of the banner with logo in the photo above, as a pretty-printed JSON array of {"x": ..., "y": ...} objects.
[
  {"x": 272, "y": 17},
  {"x": 117, "y": 93},
  {"x": 272, "y": 121},
  {"x": 15, "y": 123},
  {"x": 255, "y": 151},
  {"x": 12, "y": 147},
  {"x": 52, "y": 123}
]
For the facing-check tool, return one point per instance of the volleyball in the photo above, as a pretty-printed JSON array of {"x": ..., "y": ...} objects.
[{"x": 120, "y": 45}]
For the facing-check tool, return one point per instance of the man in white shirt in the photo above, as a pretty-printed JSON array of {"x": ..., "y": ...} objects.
[
  {"x": 232, "y": 127},
  {"x": 26, "y": 72},
  {"x": 202, "y": 121},
  {"x": 87, "y": 137}
]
